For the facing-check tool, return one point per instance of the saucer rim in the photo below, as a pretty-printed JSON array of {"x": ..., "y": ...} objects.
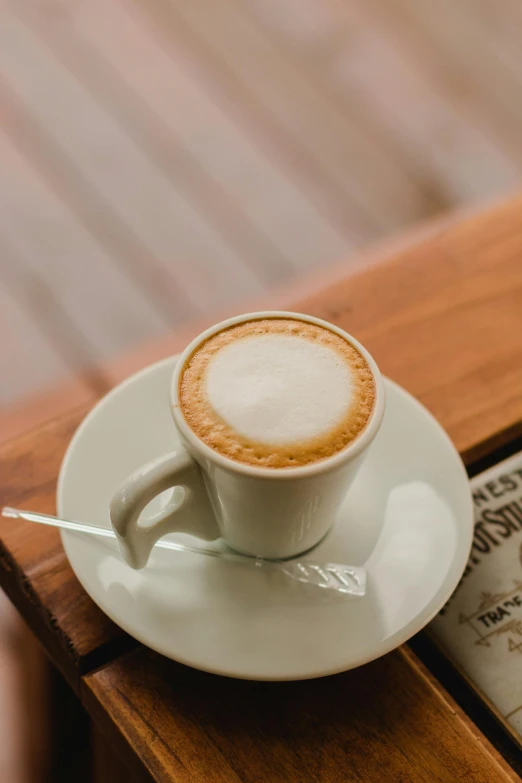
[{"x": 457, "y": 564}]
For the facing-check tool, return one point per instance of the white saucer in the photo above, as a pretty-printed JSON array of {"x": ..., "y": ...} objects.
[{"x": 234, "y": 620}]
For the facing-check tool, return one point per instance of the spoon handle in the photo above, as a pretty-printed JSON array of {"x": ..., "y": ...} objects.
[{"x": 350, "y": 580}]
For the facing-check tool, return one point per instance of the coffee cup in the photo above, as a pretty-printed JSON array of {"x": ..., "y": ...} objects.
[{"x": 274, "y": 413}]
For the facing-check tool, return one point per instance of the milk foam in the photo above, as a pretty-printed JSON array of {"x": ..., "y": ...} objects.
[
  {"x": 277, "y": 392},
  {"x": 279, "y": 389}
]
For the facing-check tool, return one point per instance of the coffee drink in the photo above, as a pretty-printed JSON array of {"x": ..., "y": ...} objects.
[{"x": 277, "y": 392}]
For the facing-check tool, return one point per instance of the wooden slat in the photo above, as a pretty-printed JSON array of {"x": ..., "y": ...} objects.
[
  {"x": 27, "y": 359},
  {"x": 131, "y": 186},
  {"x": 387, "y": 721},
  {"x": 442, "y": 316},
  {"x": 36, "y": 409},
  {"x": 121, "y": 243},
  {"x": 170, "y": 111},
  {"x": 420, "y": 313},
  {"x": 287, "y": 296},
  {"x": 356, "y": 161},
  {"x": 289, "y": 132},
  {"x": 34, "y": 571},
  {"x": 472, "y": 59},
  {"x": 503, "y": 26},
  {"x": 324, "y": 149},
  {"x": 371, "y": 72},
  {"x": 107, "y": 766},
  {"x": 445, "y": 320},
  {"x": 36, "y": 297},
  {"x": 96, "y": 298},
  {"x": 351, "y": 144}
]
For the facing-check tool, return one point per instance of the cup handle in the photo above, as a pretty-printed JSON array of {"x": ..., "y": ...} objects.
[{"x": 188, "y": 510}]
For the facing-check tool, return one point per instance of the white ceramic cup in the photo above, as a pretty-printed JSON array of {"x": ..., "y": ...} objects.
[{"x": 264, "y": 512}]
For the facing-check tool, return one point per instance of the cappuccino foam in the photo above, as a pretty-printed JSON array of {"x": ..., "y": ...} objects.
[{"x": 277, "y": 392}]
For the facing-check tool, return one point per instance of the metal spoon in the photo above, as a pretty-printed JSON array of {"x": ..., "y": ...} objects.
[{"x": 350, "y": 580}]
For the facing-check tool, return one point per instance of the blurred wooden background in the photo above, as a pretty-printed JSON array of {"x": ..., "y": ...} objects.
[
  {"x": 165, "y": 159},
  {"x": 162, "y": 159}
]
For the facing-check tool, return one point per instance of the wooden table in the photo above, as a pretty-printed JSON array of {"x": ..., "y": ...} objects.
[{"x": 443, "y": 317}]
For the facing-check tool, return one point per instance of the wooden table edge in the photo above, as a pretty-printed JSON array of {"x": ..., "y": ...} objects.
[{"x": 476, "y": 735}]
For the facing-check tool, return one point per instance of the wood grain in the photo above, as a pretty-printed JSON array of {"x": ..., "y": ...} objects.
[
  {"x": 135, "y": 188},
  {"x": 34, "y": 571},
  {"x": 372, "y": 71},
  {"x": 422, "y": 112},
  {"x": 107, "y": 765},
  {"x": 166, "y": 161},
  {"x": 52, "y": 248},
  {"x": 476, "y": 58},
  {"x": 387, "y": 721},
  {"x": 21, "y": 336},
  {"x": 442, "y": 317},
  {"x": 445, "y": 320},
  {"x": 211, "y": 159},
  {"x": 29, "y": 414},
  {"x": 323, "y": 137}
]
